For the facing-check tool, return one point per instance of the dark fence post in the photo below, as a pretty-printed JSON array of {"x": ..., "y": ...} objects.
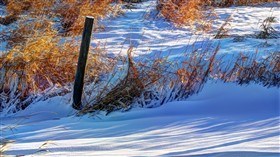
[{"x": 80, "y": 73}]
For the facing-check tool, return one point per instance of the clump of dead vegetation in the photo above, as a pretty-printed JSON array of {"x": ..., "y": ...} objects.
[
  {"x": 198, "y": 13},
  {"x": 187, "y": 12},
  {"x": 121, "y": 95},
  {"x": 40, "y": 64},
  {"x": 248, "y": 69},
  {"x": 28, "y": 29},
  {"x": 38, "y": 58},
  {"x": 32, "y": 7},
  {"x": 155, "y": 82},
  {"x": 16, "y": 8},
  {"x": 148, "y": 83},
  {"x": 71, "y": 13},
  {"x": 267, "y": 31}
]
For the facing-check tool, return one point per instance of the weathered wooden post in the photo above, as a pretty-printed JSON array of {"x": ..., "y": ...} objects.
[{"x": 80, "y": 73}]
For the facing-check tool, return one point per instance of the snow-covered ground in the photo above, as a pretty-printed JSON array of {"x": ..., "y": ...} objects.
[
  {"x": 222, "y": 120},
  {"x": 140, "y": 28}
]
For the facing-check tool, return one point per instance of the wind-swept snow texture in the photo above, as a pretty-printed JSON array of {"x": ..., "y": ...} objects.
[
  {"x": 222, "y": 120},
  {"x": 151, "y": 34}
]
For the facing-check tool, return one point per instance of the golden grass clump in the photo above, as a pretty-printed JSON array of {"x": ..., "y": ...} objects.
[
  {"x": 38, "y": 58},
  {"x": 15, "y": 8},
  {"x": 35, "y": 7},
  {"x": 187, "y": 12},
  {"x": 181, "y": 11},
  {"x": 73, "y": 13},
  {"x": 37, "y": 65},
  {"x": 41, "y": 63},
  {"x": 30, "y": 29},
  {"x": 197, "y": 13}
]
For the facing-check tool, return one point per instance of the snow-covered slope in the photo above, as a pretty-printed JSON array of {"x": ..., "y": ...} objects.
[{"x": 223, "y": 120}]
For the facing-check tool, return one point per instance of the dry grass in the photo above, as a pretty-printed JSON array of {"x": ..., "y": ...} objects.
[
  {"x": 250, "y": 2},
  {"x": 29, "y": 29},
  {"x": 38, "y": 58},
  {"x": 39, "y": 64},
  {"x": 197, "y": 13},
  {"x": 156, "y": 82},
  {"x": 73, "y": 12},
  {"x": 186, "y": 12},
  {"x": 34, "y": 7},
  {"x": 122, "y": 95},
  {"x": 145, "y": 82},
  {"x": 248, "y": 69},
  {"x": 267, "y": 31},
  {"x": 180, "y": 12}
]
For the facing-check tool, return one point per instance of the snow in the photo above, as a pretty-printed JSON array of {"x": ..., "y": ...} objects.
[
  {"x": 198, "y": 126},
  {"x": 152, "y": 35},
  {"x": 221, "y": 120}
]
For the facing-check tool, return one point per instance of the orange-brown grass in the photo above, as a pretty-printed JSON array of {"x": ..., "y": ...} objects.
[
  {"x": 73, "y": 13},
  {"x": 38, "y": 64},
  {"x": 41, "y": 63},
  {"x": 248, "y": 69},
  {"x": 15, "y": 8},
  {"x": 186, "y": 12},
  {"x": 197, "y": 12},
  {"x": 152, "y": 80},
  {"x": 35, "y": 7},
  {"x": 38, "y": 58},
  {"x": 250, "y": 2},
  {"x": 153, "y": 83},
  {"x": 30, "y": 29}
]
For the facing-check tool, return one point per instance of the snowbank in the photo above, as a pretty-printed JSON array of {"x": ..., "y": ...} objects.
[{"x": 222, "y": 120}]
